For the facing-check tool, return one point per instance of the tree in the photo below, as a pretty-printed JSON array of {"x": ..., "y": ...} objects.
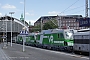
[
  {"x": 35, "y": 28},
  {"x": 50, "y": 25}
]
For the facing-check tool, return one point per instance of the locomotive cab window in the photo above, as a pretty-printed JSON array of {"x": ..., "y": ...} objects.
[{"x": 60, "y": 35}]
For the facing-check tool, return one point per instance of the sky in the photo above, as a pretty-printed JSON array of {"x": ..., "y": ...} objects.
[{"x": 34, "y": 9}]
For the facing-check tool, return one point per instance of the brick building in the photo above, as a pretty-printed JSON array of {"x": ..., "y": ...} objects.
[{"x": 68, "y": 21}]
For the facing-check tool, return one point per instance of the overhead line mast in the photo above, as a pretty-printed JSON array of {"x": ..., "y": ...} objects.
[{"x": 86, "y": 10}]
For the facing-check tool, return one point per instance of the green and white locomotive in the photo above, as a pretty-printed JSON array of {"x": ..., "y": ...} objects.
[
  {"x": 19, "y": 39},
  {"x": 31, "y": 39},
  {"x": 61, "y": 39},
  {"x": 56, "y": 39}
]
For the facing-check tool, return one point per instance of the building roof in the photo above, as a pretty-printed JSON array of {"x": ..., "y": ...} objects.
[
  {"x": 7, "y": 17},
  {"x": 45, "y": 17},
  {"x": 74, "y": 16},
  {"x": 66, "y": 16},
  {"x": 11, "y": 18}
]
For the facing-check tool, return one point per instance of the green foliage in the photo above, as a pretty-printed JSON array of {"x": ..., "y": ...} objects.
[
  {"x": 50, "y": 25},
  {"x": 35, "y": 28}
]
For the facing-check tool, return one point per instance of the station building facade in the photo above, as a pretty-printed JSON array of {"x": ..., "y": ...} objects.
[{"x": 5, "y": 27}]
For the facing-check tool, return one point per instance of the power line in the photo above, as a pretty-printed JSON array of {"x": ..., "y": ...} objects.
[
  {"x": 69, "y": 6},
  {"x": 75, "y": 8},
  {"x": 79, "y": 11}
]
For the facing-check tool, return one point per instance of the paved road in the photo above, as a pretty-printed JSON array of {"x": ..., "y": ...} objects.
[{"x": 32, "y": 53}]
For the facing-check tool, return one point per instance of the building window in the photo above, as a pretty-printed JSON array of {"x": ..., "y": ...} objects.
[
  {"x": 63, "y": 21},
  {"x": 74, "y": 24},
  {"x": 69, "y": 24},
  {"x": 66, "y": 24},
  {"x": 72, "y": 21},
  {"x": 63, "y": 24},
  {"x": 66, "y": 21}
]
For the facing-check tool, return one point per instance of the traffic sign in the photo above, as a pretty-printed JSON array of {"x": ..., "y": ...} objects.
[
  {"x": 24, "y": 32},
  {"x": 83, "y": 22},
  {"x": 3, "y": 37}
]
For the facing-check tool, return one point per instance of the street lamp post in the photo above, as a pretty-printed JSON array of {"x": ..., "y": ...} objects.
[
  {"x": 6, "y": 28},
  {"x": 24, "y": 29},
  {"x": 11, "y": 26}
]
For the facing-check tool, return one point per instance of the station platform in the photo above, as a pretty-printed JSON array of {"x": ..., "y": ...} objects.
[{"x": 3, "y": 56}]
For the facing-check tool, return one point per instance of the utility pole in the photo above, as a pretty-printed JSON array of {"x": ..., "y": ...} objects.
[
  {"x": 89, "y": 8},
  {"x": 6, "y": 28},
  {"x": 24, "y": 39},
  {"x": 89, "y": 29},
  {"x": 41, "y": 24},
  {"x": 59, "y": 21},
  {"x": 24, "y": 12},
  {"x": 86, "y": 9}
]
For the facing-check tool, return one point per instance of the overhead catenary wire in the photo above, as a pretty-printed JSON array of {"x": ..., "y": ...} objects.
[
  {"x": 79, "y": 11},
  {"x": 75, "y": 8},
  {"x": 69, "y": 6}
]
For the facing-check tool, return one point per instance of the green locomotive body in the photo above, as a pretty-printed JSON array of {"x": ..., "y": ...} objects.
[{"x": 52, "y": 39}]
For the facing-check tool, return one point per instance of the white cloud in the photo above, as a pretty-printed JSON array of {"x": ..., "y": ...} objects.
[
  {"x": 22, "y": 2},
  {"x": 31, "y": 11},
  {"x": 32, "y": 21},
  {"x": 29, "y": 14},
  {"x": 0, "y": 14},
  {"x": 8, "y": 6},
  {"x": 53, "y": 13},
  {"x": 32, "y": 14}
]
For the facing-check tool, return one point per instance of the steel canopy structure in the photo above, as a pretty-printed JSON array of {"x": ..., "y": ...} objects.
[{"x": 17, "y": 26}]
